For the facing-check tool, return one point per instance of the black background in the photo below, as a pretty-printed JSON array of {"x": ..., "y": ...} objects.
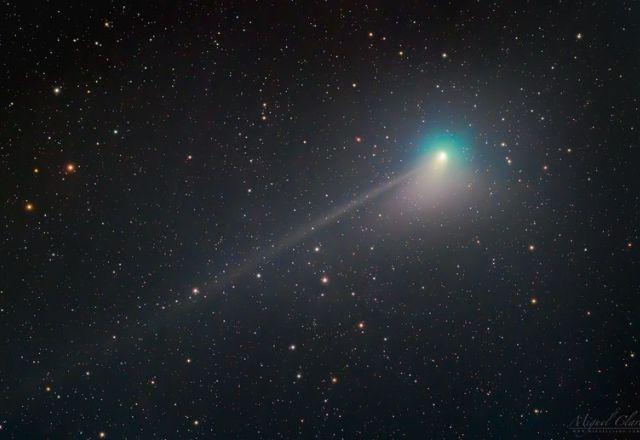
[{"x": 181, "y": 183}]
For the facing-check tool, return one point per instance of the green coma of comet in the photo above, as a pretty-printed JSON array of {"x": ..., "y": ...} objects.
[{"x": 454, "y": 148}]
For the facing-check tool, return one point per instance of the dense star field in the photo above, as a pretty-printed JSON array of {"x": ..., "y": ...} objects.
[{"x": 318, "y": 219}]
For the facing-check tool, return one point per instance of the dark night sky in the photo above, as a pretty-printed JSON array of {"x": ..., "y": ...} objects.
[{"x": 162, "y": 166}]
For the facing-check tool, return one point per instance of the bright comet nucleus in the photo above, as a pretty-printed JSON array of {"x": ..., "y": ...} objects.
[
  {"x": 442, "y": 173},
  {"x": 438, "y": 160}
]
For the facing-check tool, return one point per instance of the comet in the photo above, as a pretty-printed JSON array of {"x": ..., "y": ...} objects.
[{"x": 429, "y": 169}]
